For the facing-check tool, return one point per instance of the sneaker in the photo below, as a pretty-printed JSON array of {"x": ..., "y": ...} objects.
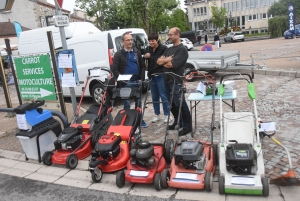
[
  {"x": 166, "y": 119},
  {"x": 171, "y": 127},
  {"x": 155, "y": 119},
  {"x": 144, "y": 125}
]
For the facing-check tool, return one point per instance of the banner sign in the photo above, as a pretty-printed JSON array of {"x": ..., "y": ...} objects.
[
  {"x": 35, "y": 78},
  {"x": 291, "y": 17}
]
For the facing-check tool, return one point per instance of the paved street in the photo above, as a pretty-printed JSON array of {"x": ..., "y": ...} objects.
[{"x": 277, "y": 88}]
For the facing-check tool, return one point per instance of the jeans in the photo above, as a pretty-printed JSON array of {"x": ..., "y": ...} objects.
[
  {"x": 185, "y": 119},
  {"x": 130, "y": 84},
  {"x": 158, "y": 90}
]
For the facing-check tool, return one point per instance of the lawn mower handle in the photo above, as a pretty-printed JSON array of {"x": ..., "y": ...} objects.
[{"x": 227, "y": 75}]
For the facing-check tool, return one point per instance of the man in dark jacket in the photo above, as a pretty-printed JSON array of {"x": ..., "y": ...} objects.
[
  {"x": 173, "y": 60},
  {"x": 129, "y": 61}
]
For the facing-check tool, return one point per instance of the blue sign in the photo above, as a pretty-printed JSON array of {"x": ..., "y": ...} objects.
[
  {"x": 66, "y": 64},
  {"x": 291, "y": 18},
  {"x": 18, "y": 28}
]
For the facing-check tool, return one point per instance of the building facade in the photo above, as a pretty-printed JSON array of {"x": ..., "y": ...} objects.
[{"x": 250, "y": 15}]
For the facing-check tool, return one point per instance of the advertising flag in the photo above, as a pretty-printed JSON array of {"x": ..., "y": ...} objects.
[
  {"x": 18, "y": 28},
  {"x": 291, "y": 17}
]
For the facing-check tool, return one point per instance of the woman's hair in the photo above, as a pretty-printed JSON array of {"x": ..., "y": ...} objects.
[{"x": 153, "y": 36}]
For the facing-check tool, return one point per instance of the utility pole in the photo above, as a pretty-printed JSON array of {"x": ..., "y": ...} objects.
[{"x": 65, "y": 47}]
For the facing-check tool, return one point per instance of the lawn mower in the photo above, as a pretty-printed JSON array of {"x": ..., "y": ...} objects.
[
  {"x": 194, "y": 162},
  {"x": 111, "y": 152},
  {"x": 288, "y": 179},
  {"x": 240, "y": 151},
  {"x": 147, "y": 160},
  {"x": 77, "y": 141}
]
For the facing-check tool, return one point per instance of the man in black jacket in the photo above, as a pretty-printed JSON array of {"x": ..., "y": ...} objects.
[{"x": 129, "y": 61}]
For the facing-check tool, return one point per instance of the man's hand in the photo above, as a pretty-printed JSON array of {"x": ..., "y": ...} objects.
[
  {"x": 147, "y": 55},
  {"x": 163, "y": 60}
]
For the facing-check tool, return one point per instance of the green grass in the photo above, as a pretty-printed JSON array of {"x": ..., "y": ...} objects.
[{"x": 256, "y": 34}]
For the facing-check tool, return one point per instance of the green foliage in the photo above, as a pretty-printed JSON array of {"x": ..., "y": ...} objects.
[
  {"x": 179, "y": 19},
  {"x": 218, "y": 15},
  {"x": 280, "y": 7},
  {"x": 277, "y": 26},
  {"x": 151, "y": 15}
]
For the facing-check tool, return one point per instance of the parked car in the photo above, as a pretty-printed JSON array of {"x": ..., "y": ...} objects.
[
  {"x": 186, "y": 42},
  {"x": 191, "y": 35},
  {"x": 234, "y": 36},
  {"x": 287, "y": 34}
]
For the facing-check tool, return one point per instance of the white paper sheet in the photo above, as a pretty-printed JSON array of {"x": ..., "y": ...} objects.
[
  {"x": 95, "y": 72},
  {"x": 202, "y": 88},
  {"x": 65, "y": 61},
  {"x": 247, "y": 181},
  {"x": 267, "y": 126},
  {"x": 21, "y": 121},
  {"x": 138, "y": 173},
  {"x": 124, "y": 77},
  {"x": 187, "y": 176},
  {"x": 68, "y": 80}
]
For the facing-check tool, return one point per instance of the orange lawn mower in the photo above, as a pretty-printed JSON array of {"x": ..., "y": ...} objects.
[
  {"x": 194, "y": 161},
  {"x": 77, "y": 141},
  {"x": 112, "y": 151}
]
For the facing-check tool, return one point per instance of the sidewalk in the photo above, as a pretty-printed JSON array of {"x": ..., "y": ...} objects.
[{"x": 277, "y": 100}]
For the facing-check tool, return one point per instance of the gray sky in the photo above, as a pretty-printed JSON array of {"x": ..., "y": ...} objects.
[{"x": 67, "y": 4}]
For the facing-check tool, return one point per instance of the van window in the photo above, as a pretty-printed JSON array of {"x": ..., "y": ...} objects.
[{"x": 140, "y": 42}]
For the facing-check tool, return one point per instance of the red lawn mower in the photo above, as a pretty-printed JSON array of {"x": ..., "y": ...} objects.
[
  {"x": 147, "y": 160},
  {"x": 111, "y": 152},
  {"x": 77, "y": 141},
  {"x": 194, "y": 161}
]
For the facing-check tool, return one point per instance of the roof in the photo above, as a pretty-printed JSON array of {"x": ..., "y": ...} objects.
[{"x": 8, "y": 29}]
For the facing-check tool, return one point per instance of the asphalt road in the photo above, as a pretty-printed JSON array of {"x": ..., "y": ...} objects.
[{"x": 21, "y": 189}]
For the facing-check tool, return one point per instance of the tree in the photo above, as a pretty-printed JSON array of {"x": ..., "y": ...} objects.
[
  {"x": 280, "y": 7},
  {"x": 218, "y": 15},
  {"x": 179, "y": 19},
  {"x": 94, "y": 8},
  {"x": 277, "y": 25}
]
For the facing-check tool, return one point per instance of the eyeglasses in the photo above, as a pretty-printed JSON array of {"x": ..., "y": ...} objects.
[
  {"x": 171, "y": 34},
  {"x": 128, "y": 40}
]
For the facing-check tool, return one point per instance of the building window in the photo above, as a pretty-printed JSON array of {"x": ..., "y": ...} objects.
[
  {"x": 195, "y": 12},
  {"x": 247, "y": 3},
  {"x": 198, "y": 12},
  {"x": 264, "y": 16},
  {"x": 243, "y": 4},
  {"x": 251, "y": 3},
  {"x": 256, "y": 3},
  {"x": 230, "y": 7},
  {"x": 237, "y": 5},
  {"x": 233, "y": 5},
  {"x": 201, "y": 10},
  {"x": 42, "y": 10},
  {"x": 249, "y": 17},
  {"x": 226, "y": 6},
  {"x": 204, "y": 10},
  {"x": 254, "y": 17}
]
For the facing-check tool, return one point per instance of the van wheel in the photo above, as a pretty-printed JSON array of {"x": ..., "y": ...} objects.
[
  {"x": 189, "y": 76},
  {"x": 97, "y": 93}
]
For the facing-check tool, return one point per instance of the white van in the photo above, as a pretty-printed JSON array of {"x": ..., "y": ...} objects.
[{"x": 92, "y": 48}]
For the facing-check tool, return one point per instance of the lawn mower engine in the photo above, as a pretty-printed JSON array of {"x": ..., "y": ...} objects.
[
  {"x": 241, "y": 159},
  {"x": 190, "y": 155},
  {"x": 108, "y": 146},
  {"x": 70, "y": 138},
  {"x": 143, "y": 155}
]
